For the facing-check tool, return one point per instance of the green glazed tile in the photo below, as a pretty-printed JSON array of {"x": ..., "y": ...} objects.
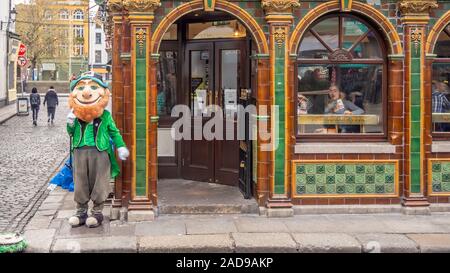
[
  {"x": 340, "y": 178},
  {"x": 330, "y": 189},
  {"x": 310, "y": 179},
  {"x": 436, "y": 167},
  {"x": 350, "y": 179},
  {"x": 437, "y": 188},
  {"x": 340, "y": 169},
  {"x": 330, "y": 179}
]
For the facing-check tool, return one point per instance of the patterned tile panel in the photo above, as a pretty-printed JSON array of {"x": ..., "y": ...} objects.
[
  {"x": 440, "y": 177},
  {"x": 340, "y": 179}
]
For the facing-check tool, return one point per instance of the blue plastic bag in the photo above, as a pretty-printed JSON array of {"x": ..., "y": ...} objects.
[{"x": 64, "y": 178}]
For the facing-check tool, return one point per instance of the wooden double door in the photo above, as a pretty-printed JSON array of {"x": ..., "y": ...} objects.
[{"x": 214, "y": 74}]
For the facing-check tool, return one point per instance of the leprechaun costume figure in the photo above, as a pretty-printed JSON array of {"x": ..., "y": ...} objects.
[{"x": 94, "y": 163}]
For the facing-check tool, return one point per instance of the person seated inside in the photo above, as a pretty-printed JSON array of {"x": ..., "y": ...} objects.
[
  {"x": 303, "y": 104},
  {"x": 440, "y": 104},
  {"x": 338, "y": 105}
]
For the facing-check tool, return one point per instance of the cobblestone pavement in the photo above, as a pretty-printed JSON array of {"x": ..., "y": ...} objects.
[{"x": 29, "y": 157}]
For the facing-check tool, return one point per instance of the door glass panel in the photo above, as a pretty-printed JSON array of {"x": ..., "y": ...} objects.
[
  {"x": 167, "y": 82},
  {"x": 229, "y": 80},
  {"x": 199, "y": 80},
  {"x": 216, "y": 29}
]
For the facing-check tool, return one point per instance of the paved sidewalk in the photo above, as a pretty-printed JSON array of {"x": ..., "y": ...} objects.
[
  {"x": 49, "y": 231},
  {"x": 7, "y": 112}
]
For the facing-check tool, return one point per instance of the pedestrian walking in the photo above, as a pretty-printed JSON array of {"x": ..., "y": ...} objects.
[
  {"x": 35, "y": 102},
  {"x": 51, "y": 98}
]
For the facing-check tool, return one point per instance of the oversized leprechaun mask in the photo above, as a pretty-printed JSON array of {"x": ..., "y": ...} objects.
[{"x": 89, "y": 96}]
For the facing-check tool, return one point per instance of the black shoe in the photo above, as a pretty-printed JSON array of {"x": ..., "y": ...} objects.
[{"x": 48, "y": 120}]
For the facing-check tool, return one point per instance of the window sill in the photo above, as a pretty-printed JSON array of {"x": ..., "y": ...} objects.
[
  {"x": 345, "y": 148},
  {"x": 440, "y": 147}
]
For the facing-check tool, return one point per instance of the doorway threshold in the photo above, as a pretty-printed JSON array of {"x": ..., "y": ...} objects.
[{"x": 179, "y": 196}]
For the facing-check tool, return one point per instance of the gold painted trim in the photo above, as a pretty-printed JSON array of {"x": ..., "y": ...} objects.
[
  {"x": 396, "y": 193},
  {"x": 430, "y": 177},
  {"x": 438, "y": 27},
  {"x": 310, "y": 119},
  {"x": 344, "y": 8},
  {"x": 147, "y": 110},
  {"x": 422, "y": 110},
  {"x": 357, "y": 7},
  {"x": 287, "y": 107},
  {"x": 134, "y": 28},
  {"x": 133, "y": 65},
  {"x": 229, "y": 7},
  {"x": 208, "y": 8}
]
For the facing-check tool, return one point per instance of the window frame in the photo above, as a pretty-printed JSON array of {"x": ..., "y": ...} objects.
[
  {"x": 98, "y": 38},
  {"x": 64, "y": 14},
  {"x": 78, "y": 14},
  {"x": 98, "y": 53},
  {"x": 438, "y": 135},
  {"x": 340, "y": 137}
]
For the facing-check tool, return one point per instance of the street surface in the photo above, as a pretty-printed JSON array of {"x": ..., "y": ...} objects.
[{"x": 29, "y": 157}]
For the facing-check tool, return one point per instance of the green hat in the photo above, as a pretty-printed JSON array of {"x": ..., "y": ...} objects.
[{"x": 88, "y": 76}]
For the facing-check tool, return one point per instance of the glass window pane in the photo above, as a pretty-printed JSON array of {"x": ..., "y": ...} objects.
[
  {"x": 217, "y": 29},
  {"x": 171, "y": 33},
  {"x": 328, "y": 31},
  {"x": 442, "y": 47},
  {"x": 440, "y": 96},
  {"x": 352, "y": 30},
  {"x": 311, "y": 48},
  {"x": 167, "y": 82},
  {"x": 355, "y": 106},
  {"x": 368, "y": 48}
]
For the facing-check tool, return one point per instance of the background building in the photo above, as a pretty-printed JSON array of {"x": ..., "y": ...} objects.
[
  {"x": 60, "y": 47},
  {"x": 9, "y": 43},
  {"x": 98, "y": 56}
]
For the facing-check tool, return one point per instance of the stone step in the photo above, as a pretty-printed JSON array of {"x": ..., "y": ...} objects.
[{"x": 209, "y": 209}]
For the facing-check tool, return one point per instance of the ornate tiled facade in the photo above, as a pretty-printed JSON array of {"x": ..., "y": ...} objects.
[
  {"x": 411, "y": 174},
  {"x": 440, "y": 177},
  {"x": 345, "y": 179}
]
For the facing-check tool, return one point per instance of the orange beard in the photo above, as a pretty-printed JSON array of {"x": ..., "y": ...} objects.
[{"x": 90, "y": 112}]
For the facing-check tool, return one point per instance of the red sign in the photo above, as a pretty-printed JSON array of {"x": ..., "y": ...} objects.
[
  {"x": 22, "y": 50},
  {"x": 22, "y": 61}
]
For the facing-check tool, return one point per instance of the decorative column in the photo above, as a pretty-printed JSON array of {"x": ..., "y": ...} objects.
[
  {"x": 279, "y": 16},
  {"x": 415, "y": 17},
  {"x": 141, "y": 14},
  {"x": 115, "y": 35}
]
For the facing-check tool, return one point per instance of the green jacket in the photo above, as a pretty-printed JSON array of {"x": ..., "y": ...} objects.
[{"x": 106, "y": 130}]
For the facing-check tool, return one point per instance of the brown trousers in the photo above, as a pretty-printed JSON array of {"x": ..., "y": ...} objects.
[{"x": 91, "y": 174}]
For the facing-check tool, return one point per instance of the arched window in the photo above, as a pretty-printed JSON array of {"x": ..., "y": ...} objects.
[
  {"x": 78, "y": 15},
  {"x": 440, "y": 93},
  {"x": 63, "y": 14},
  {"x": 341, "y": 80},
  {"x": 48, "y": 15}
]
